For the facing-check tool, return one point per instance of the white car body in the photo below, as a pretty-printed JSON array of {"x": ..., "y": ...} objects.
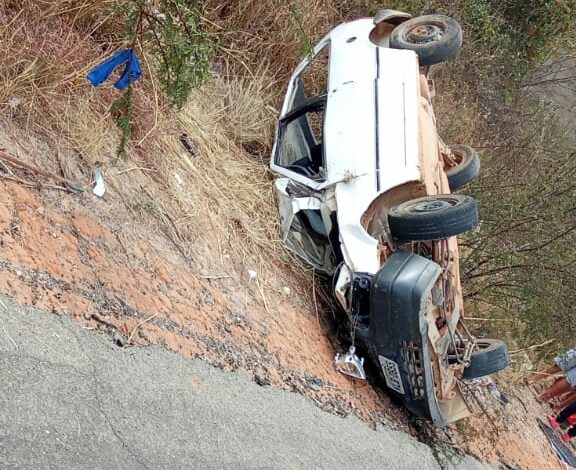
[
  {"x": 357, "y": 144},
  {"x": 378, "y": 147},
  {"x": 372, "y": 137}
]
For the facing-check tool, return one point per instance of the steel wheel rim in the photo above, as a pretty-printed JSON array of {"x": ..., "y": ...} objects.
[
  {"x": 424, "y": 33},
  {"x": 431, "y": 205}
]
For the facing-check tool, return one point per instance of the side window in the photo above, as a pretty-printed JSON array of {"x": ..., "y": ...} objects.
[
  {"x": 300, "y": 140},
  {"x": 313, "y": 80}
]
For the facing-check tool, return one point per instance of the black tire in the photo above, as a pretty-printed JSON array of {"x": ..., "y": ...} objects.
[
  {"x": 435, "y": 38},
  {"x": 492, "y": 357},
  {"x": 466, "y": 169},
  {"x": 433, "y": 217}
]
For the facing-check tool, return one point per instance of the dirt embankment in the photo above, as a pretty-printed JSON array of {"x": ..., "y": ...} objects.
[
  {"x": 92, "y": 259},
  {"x": 85, "y": 257},
  {"x": 163, "y": 258}
]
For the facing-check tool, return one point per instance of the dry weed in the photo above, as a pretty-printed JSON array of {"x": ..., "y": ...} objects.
[
  {"x": 242, "y": 106},
  {"x": 275, "y": 32},
  {"x": 214, "y": 201},
  {"x": 45, "y": 54}
]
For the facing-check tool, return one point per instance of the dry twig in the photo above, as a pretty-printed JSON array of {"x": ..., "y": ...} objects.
[
  {"x": 531, "y": 348},
  {"x": 21, "y": 163},
  {"x": 139, "y": 325}
]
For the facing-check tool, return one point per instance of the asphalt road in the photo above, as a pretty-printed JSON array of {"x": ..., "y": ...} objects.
[{"x": 70, "y": 399}]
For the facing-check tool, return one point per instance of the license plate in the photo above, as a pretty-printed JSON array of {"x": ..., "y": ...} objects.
[{"x": 391, "y": 374}]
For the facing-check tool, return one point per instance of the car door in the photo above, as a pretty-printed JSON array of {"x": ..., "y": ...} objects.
[
  {"x": 298, "y": 152},
  {"x": 307, "y": 223},
  {"x": 306, "y": 220}
]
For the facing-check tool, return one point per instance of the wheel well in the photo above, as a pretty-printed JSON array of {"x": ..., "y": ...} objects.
[
  {"x": 375, "y": 218},
  {"x": 384, "y": 22},
  {"x": 393, "y": 17}
]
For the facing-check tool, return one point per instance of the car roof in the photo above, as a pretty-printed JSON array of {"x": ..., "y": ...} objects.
[
  {"x": 371, "y": 129},
  {"x": 371, "y": 121}
]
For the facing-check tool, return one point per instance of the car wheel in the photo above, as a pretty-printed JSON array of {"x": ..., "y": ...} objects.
[
  {"x": 466, "y": 166},
  {"x": 433, "y": 217},
  {"x": 435, "y": 38},
  {"x": 491, "y": 357}
]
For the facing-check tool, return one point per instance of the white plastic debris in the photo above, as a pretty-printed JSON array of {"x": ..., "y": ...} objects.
[
  {"x": 99, "y": 188},
  {"x": 14, "y": 102},
  {"x": 350, "y": 364},
  {"x": 286, "y": 290},
  {"x": 252, "y": 274},
  {"x": 490, "y": 385},
  {"x": 495, "y": 392},
  {"x": 178, "y": 178}
]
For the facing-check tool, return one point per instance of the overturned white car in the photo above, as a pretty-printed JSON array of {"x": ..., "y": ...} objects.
[{"x": 364, "y": 194}]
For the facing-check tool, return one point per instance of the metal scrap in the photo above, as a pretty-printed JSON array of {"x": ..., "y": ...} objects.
[{"x": 350, "y": 364}]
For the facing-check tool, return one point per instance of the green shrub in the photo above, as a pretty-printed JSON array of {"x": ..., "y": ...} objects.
[
  {"x": 172, "y": 31},
  {"x": 536, "y": 26},
  {"x": 515, "y": 33}
]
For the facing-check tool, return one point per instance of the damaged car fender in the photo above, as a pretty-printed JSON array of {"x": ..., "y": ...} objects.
[{"x": 307, "y": 225}]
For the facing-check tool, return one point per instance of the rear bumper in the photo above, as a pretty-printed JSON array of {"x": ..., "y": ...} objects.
[{"x": 397, "y": 333}]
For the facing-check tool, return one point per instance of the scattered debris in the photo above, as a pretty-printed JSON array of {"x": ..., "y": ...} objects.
[
  {"x": 14, "y": 102},
  {"x": 499, "y": 395},
  {"x": 99, "y": 188},
  {"x": 489, "y": 384},
  {"x": 262, "y": 381},
  {"x": 189, "y": 145},
  {"x": 73, "y": 188},
  {"x": 102, "y": 320},
  {"x": 118, "y": 339},
  {"x": 314, "y": 383},
  {"x": 286, "y": 290},
  {"x": 252, "y": 275},
  {"x": 14, "y": 227},
  {"x": 177, "y": 178},
  {"x": 350, "y": 364}
]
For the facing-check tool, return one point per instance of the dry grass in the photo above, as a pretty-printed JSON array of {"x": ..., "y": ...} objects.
[
  {"x": 270, "y": 30},
  {"x": 244, "y": 107},
  {"x": 216, "y": 206},
  {"x": 260, "y": 43},
  {"x": 45, "y": 54}
]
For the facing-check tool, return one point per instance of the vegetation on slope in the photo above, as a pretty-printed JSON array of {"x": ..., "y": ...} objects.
[{"x": 519, "y": 265}]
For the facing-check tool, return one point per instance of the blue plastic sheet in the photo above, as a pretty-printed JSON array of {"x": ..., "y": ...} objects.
[{"x": 131, "y": 73}]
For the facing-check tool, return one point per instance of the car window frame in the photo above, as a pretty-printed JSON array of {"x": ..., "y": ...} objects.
[
  {"x": 292, "y": 86},
  {"x": 288, "y": 114},
  {"x": 309, "y": 105}
]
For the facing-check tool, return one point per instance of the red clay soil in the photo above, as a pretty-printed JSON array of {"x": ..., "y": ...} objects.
[
  {"x": 67, "y": 255},
  {"x": 69, "y": 263}
]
